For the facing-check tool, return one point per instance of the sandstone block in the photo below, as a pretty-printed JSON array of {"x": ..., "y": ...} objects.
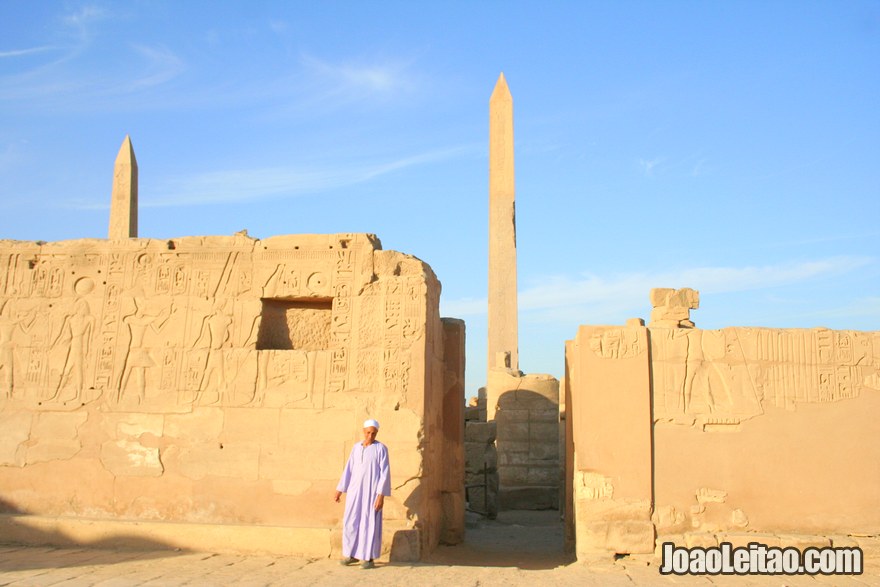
[
  {"x": 513, "y": 446},
  {"x": 285, "y": 462},
  {"x": 743, "y": 539},
  {"x": 202, "y": 424},
  {"x": 802, "y": 542},
  {"x": 701, "y": 539},
  {"x": 529, "y": 498},
  {"x": 129, "y": 458},
  {"x": 483, "y": 432},
  {"x": 132, "y": 424},
  {"x": 513, "y": 475},
  {"x": 551, "y": 415},
  {"x": 287, "y": 487},
  {"x": 543, "y": 476},
  {"x": 621, "y": 537},
  {"x": 513, "y": 431},
  {"x": 405, "y": 545},
  {"x": 58, "y": 425},
  {"x": 250, "y": 425},
  {"x": 15, "y": 429},
  {"x": 503, "y": 416},
  {"x": 544, "y": 451},
  {"x": 49, "y": 449},
  {"x": 237, "y": 460},
  {"x": 319, "y": 425},
  {"x": 507, "y": 458},
  {"x": 544, "y": 432}
]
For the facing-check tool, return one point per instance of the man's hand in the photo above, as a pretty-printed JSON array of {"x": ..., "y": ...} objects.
[
  {"x": 338, "y": 495},
  {"x": 380, "y": 501}
]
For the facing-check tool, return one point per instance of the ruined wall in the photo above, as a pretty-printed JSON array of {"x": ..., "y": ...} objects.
[
  {"x": 481, "y": 458},
  {"x": 697, "y": 436},
  {"x": 766, "y": 430},
  {"x": 525, "y": 409},
  {"x": 216, "y": 381},
  {"x": 609, "y": 414}
]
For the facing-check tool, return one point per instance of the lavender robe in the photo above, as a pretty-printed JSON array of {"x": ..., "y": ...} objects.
[{"x": 366, "y": 475}]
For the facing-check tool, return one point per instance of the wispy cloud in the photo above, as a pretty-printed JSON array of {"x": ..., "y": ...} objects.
[
  {"x": 84, "y": 16},
  {"x": 161, "y": 65},
  {"x": 23, "y": 52},
  {"x": 648, "y": 165},
  {"x": 566, "y": 297},
  {"x": 245, "y": 185},
  {"x": 63, "y": 78},
  {"x": 362, "y": 78}
]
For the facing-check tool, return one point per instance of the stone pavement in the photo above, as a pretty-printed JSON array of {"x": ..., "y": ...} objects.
[{"x": 520, "y": 548}]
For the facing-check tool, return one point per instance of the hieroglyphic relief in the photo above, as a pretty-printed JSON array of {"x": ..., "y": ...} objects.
[
  {"x": 142, "y": 324},
  {"x": 616, "y": 343},
  {"x": 729, "y": 375},
  {"x": 341, "y": 323}
]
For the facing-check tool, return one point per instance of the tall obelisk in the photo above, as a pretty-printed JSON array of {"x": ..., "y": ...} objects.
[
  {"x": 503, "y": 335},
  {"x": 124, "y": 198}
]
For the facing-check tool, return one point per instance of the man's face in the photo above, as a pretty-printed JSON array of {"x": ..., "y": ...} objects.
[{"x": 370, "y": 435}]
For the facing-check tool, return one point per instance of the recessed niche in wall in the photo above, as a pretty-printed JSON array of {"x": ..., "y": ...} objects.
[{"x": 295, "y": 324}]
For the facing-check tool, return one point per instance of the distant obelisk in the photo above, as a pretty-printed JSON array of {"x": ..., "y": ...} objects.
[
  {"x": 502, "y": 232},
  {"x": 124, "y": 199}
]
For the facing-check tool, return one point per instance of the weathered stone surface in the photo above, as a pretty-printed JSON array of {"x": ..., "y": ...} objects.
[
  {"x": 231, "y": 375},
  {"x": 15, "y": 429},
  {"x": 636, "y": 537},
  {"x": 129, "y": 458},
  {"x": 700, "y": 539},
  {"x": 132, "y": 425},
  {"x": 480, "y": 432},
  {"x": 203, "y": 424},
  {"x": 250, "y": 425},
  {"x": 529, "y": 498},
  {"x": 322, "y": 462},
  {"x": 405, "y": 546},
  {"x": 323, "y": 425}
]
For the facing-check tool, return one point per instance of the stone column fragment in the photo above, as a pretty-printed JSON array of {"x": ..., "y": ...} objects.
[{"x": 124, "y": 198}]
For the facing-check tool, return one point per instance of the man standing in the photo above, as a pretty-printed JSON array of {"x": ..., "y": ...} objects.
[{"x": 366, "y": 480}]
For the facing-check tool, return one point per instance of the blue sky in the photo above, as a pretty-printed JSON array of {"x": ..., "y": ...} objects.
[{"x": 731, "y": 147}]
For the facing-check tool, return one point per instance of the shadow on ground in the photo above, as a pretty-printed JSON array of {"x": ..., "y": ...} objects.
[
  {"x": 41, "y": 544},
  {"x": 529, "y": 540}
]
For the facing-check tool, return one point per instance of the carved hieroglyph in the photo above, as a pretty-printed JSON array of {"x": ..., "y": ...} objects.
[
  {"x": 502, "y": 317},
  {"x": 228, "y": 321},
  {"x": 223, "y": 380},
  {"x": 699, "y": 436},
  {"x": 726, "y": 376}
]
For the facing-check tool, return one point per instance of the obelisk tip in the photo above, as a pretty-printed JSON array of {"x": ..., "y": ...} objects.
[
  {"x": 126, "y": 151},
  {"x": 501, "y": 90}
]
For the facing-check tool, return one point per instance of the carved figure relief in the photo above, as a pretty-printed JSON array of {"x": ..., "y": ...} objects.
[
  {"x": 137, "y": 357},
  {"x": 168, "y": 324},
  {"x": 11, "y": 321},
  {"x": 723, "y": 377},
  {"x": 214, "y": 335},
  {"x": 77, "y": 330}
]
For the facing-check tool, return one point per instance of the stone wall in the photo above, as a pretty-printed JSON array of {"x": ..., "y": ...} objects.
[
  {"x": 481, "y": 459},
  {"x": 219, "y": 383},
  {"x": 697, "y": 436},
  {"x": 525, "y": 409}
]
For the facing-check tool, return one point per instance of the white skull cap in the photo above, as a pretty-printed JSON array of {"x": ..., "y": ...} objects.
[{"x": 373, "y": 423}]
